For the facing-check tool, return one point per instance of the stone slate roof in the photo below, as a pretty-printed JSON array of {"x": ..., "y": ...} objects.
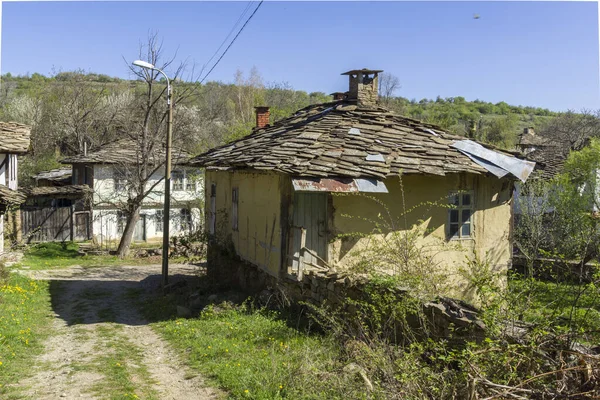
[
  {"x": 68, "y": 191},
  {"x": 14, "y": 138},
  {"x": 9, "y": 196},
  {"x": 549, "y": 161},
  {"x": 528, "y": 139},
  {"x": 344, "y": 139},
  {"x": 58, "y": 174},
  {"x": 124, "y": 152}
]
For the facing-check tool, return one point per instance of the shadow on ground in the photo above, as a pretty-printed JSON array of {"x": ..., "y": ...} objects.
[{"x": 115, "y": 295}]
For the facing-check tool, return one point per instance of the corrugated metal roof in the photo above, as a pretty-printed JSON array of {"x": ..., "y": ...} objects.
[{"x": 497, "y": 163}]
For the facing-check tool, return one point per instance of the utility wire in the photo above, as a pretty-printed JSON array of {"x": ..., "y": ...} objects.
[
  {"x": 239, "y": 20},
  {"x": 231, "y": 43}
]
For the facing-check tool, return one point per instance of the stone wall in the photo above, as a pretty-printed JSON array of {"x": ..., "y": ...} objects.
[{"x": 227, "y": 271}]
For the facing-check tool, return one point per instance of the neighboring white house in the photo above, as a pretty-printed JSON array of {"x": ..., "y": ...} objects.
[
  {"x": 107, "y": 171},
  {"x": 14, "y": 140}
]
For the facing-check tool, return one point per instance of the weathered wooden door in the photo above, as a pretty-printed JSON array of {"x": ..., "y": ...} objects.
[
  {"x": 139, "y": 233},
  {"x": 82, "y": 226},
  {"x": 310, "y": 215}
]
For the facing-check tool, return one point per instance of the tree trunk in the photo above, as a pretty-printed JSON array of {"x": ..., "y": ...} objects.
[{"x": 125, "y": 242}]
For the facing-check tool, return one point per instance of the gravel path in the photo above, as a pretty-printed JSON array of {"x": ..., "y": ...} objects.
[{"x": 95, "y": 313}]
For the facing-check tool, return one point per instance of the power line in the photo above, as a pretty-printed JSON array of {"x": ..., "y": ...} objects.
[
  {"x": 231, "y": 43},
  {"x": 239, "y": 20}
]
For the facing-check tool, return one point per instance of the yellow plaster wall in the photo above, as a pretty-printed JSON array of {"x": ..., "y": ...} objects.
[
  {"x": 258, "y": 237},
  {"x": 490, "y": 231}
]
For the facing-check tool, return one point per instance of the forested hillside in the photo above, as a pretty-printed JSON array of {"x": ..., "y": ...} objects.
[{"x": 69, "y": 109}]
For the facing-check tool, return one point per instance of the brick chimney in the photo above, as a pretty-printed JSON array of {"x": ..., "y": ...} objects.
[
  {"x": 337, "y": 96},
  {"x": 363, "y": 86},
  {"x": 262, "y": 116}
]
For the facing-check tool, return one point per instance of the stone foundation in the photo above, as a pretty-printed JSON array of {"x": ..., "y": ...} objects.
[{"x": 227, "y": 271}]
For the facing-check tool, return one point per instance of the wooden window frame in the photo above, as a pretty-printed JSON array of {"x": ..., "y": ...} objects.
[
  {"x": 460, "y": 222},
  {"x": 178, "y": 185},
  {"x": 158, "y": 226}
]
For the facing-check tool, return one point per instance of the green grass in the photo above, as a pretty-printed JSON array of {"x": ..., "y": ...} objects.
[
  {"x": 253, "y": 354},
  {"x": 558, "y": 304},
  {"x": 65, "y": 254},
  {"x": 120, "y": 363},
  {"x": 25, "y": 317}
]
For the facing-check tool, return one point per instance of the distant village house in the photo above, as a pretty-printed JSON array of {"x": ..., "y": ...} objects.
[
  {"x": 107, "y": 171},
  {"x": 14, "y": 141}
]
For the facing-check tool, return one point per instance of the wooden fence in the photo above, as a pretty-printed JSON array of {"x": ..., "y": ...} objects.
[{"x": 54, "y": 224}]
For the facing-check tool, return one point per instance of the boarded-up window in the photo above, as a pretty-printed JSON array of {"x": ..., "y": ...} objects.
[
  {"x": 234, "y": 208},
  {"x": 213, "y": 209},
  {"x": 460, "y": 224}
]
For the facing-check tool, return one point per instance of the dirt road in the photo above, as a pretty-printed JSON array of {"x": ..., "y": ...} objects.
[{"x": 102, "y": 346}]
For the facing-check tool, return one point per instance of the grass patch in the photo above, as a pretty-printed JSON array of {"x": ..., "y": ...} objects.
[
  {"x": 25, "y": 317},
  {"x": 125, "y": 376},
  {"x": 565, "y": 306},
  {"x": 253, "y": 354},
  {"x": 65, "y": 254}
]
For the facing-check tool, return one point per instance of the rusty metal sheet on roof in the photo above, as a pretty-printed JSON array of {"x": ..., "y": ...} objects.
[
  {"x": 497, "y": 163},
  {"x": 339, "y": 185}
]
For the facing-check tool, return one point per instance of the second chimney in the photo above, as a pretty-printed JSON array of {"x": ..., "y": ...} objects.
[
  {"x": 529, "y": 131},
  {"x": 337, "y": 96},
  {"x": 262, "y": 116}
]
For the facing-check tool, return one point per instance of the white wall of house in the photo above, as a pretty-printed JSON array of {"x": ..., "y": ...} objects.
[
  {"x": 186, "y": 199},
  {"x": 107, "y": 189},
  {"x": 8, "y": 177},
  {"x": 2, "y": 182},
  {"x": 107, "y": 226}
]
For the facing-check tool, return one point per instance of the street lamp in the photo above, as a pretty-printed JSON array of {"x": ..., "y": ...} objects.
[{"x": 167, "y": 205}]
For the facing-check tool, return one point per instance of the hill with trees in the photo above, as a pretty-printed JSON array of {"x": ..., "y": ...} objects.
[{"x": 71, "y": 108}]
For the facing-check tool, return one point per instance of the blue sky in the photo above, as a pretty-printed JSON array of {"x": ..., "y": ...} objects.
[{"x": 542, "y": 54}]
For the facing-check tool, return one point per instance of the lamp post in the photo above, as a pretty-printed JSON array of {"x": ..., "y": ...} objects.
[{"x": 167, "y": 205}]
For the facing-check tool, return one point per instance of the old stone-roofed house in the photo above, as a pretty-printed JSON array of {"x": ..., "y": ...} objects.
[
  {"x": 108, "y": 171},
  {"x": 14, "y": 141},
  {"x": 273, "y": 194},
  {"x": 54, "y": 177},
  {"x": 550, "y": 155}
]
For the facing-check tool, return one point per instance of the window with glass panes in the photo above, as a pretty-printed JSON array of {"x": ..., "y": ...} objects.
[
  {"x": 177, "y": 177},
  {"x": 159, "y": 221},
  {"x": 460, "y": 224}
]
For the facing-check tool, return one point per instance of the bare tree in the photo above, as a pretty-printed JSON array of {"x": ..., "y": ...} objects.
[
  {"x": 249, "y": 93},
  {"x": 145, "y": 128},
  {"x": 388, "y": 85},
  {"x": 573, "y": 130}
]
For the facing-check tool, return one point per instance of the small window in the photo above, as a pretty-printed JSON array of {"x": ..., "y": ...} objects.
[
  {"x": 460, "y": 224},
  {"x": 234, "y": 209},
  {"x": 185, "y": 219},
  {"x": 120, "y": 180},
  {"x": 121, "y": 222},
  {"x": 178, "y": 180},
  {"x": 159, "y": 221}
]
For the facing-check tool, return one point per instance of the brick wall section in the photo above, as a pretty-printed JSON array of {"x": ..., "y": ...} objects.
[
  {"x": 225, "y": 270},
  {"x": 262, "y": 116}
]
